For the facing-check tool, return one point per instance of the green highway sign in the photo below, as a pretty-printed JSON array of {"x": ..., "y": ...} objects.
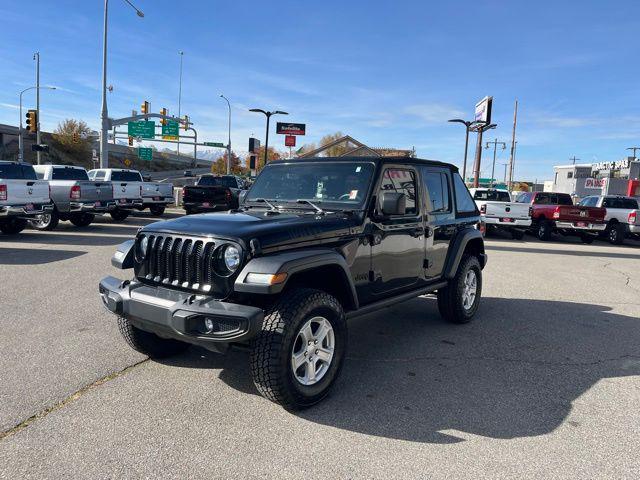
[
  {"x": 142, "y": 129},
  {"x": 171, "y": 130},
  {"x": 145, "y": 153},
  {"x": 214, "y": 144}
]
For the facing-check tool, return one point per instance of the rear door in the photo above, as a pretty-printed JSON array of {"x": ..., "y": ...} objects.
[{"x": 397, "y": 251}]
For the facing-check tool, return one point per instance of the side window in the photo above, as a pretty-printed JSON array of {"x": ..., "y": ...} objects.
[
  {"x": 569, "y": 174},
  {"x": 437, "y": 185},
  {"x": 464, "y": 202},
  {"x": 401, "y": 181},
  {"x": 99, "y": 175}
]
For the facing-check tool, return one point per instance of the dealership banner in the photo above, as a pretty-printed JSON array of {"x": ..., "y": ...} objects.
[{"x": 291, "y": 128}]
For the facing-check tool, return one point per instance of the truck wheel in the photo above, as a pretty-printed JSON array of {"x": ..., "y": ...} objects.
[
  {"x": 459, "y": 300},
  {"x": 544, "y": 230},
  {"x": 149, "y": 343},
  {"x": 298, "y": 355},
  {"x": 517, "y": 234},
  {"x": 119, "y": 215},
  {"x": 616, "y": 234},
  {"x": 156, "y": 210},
  {"x": 82, "y": 219},
  {"x": 13, "y": 226},
  {"x": 46, "y": 221}
]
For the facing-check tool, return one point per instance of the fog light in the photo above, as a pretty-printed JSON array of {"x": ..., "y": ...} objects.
[{"x": 208, "y": 325}]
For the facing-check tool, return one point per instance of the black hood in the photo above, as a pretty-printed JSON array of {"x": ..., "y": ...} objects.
[{"x": 269, "y": 228}]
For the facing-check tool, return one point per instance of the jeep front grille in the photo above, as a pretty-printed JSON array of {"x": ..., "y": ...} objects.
[{"x": 181, "y": 262}]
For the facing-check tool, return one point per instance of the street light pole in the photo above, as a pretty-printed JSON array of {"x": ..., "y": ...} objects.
[
  {"x": 268, "y": 115},
  {"x": 104, "y": 114},
  {"x": 467, "y": 125},
  {"x": 20, "y": 129},
  {"x": 229, "y": 141},
  {"x": 181, "y": 53},
  {"x": 36, "y": 57}
]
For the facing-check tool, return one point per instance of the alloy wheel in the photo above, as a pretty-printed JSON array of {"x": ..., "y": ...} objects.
[
  {"x": 313, "y": 350},
  {"x": 469, "y": 289}
]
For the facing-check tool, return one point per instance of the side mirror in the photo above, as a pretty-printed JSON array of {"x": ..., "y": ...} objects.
[
  {"x": 241, "y": 196},
  {"x": 393, "y": 203}
]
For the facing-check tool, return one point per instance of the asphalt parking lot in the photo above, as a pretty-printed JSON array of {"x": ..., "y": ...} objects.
[{"x": 545, "y": 382}]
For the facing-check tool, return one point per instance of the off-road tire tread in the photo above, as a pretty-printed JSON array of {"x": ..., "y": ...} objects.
[{"x": 148, "y": 343}]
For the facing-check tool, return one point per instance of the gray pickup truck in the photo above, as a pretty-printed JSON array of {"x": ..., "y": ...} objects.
[{"x": 75, "y": 197}]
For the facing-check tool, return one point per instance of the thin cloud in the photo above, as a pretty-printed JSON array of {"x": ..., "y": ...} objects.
[{"x": 433, "y": 113}]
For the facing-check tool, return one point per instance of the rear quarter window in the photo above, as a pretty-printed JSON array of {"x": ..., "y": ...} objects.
[{"x": 464, "y": 202}]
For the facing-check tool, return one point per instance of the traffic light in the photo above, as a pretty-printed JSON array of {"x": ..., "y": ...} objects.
[
  {"x": 144, "y": 108},
  {"x": 186, "y": 122},
  {"x": 131, "y": 141},
  {"x": 32, "y": 121},
  {"x": 252, "y": 162},
  {"x": 163, "y": 111}
]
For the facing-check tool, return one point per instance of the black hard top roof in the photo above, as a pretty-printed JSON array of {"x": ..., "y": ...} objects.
[{"x": 376, "y": 160}]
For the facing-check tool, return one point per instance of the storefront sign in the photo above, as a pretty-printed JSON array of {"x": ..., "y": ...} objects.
[
  {"x": 595, "y": 182},
  {"x": 617, "y": 165},
  {"x": 291, "y": 128}
]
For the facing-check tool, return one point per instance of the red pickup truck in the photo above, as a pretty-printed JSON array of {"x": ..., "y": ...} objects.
[{"x": 555, "y": 212}]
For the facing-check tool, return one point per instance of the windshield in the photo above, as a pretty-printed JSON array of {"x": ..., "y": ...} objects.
[
  {"x": 122, "y": 176},
  {"x": 342, "y": 183},
  {"x": 492, "y": 195},
  {"x": 69, "y": 174},
  {"x": 229, "y": 182}
]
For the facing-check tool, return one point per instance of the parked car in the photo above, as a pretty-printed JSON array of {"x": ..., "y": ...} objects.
[
  {"x": 212, "y": 193},
  {"x": 316, "y": 242},
  {"x": 500, "y": 213},
  {"x": 126, "y": 186},
  {"x": 75, "y": 197},
  {"x": 555, "y": 212},
  {"x": 22, "y": 196},
  {"x": 622, "y": 216}
]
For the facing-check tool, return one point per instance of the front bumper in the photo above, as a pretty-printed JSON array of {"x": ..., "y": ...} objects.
[
  {"x": 180, "y": 315},
  {"x": 90, "y": 207},
  {"x": 514, "y": 223},
  {"x": 27, "y": 210},
  {"x": 593, "y": 227}
]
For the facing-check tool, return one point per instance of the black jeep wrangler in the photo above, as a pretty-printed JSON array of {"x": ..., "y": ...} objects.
[{"x": 314, "y": 243}]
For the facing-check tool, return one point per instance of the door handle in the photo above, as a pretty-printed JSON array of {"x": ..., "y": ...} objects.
[{"x": 417, "y": 232}]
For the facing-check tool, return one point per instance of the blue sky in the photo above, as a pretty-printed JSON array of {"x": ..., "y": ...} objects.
[{"x": 387, "y": 73}]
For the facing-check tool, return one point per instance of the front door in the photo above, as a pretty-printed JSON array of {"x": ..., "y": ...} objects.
[{"x": 397, "y": 243}]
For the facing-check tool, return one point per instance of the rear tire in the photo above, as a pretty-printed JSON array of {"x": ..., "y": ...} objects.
[
  {"x": 307, "y": 328},
  {"x": 46, "y": 221},
  {"x": 119, "y": 215},
  {"x": 82, "y": 219},
  {"x": 13, "y": 226},
  {"x": 156, "y": 210},
  {"x": 616, "y": 234},
  {"x": 149, "y": 343},
  {"x": 459, "y": 300},
  {"x": 544, "y": 230}
]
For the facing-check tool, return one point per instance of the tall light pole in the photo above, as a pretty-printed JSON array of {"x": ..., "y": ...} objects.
[
  {"x": 20, "y": 139},
  {"x": 181, "y": 53},
  {"x": 495, "y": 144},
  {"x": 266, "y": 140},
  {"x": 229, "y": 141},
  {"x": 104, "y": 114},
  {"x": 468, "y": 125}
]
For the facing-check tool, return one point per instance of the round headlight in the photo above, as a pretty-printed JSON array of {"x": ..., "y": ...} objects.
[
  {"x": 141, "y": 251},
  {"x": 231, "y": 258}
]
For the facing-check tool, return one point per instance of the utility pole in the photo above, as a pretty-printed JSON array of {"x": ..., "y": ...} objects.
[
  {"x": 36, "y": 57},
  {"x": 634, "y": 151},
  {"x": 181, "y": 53},
  {"x": 513, "y": 144},
  {"x": 229, "y": 141},
  {"x": 573, "y": 160},
  {"x": 495, "y": 144}
]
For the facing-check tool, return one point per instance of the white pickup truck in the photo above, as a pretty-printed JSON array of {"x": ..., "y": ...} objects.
[
  {"x": 498, "y": 212},
  {"x": 22, "y": 196},
  {"x": 622, "y": 217},
  {"x": 126, "y": 188}
]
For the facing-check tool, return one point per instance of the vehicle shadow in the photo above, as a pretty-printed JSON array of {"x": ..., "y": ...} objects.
[
  {"x": 35, "y": 256},
  {"x": 577, "y": 253},
  {"x": 513, "y": 372}
]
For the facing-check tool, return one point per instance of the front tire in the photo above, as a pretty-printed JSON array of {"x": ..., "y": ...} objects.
[
  {"x": 119, "y": 215},
  {"x": 156, "y": 210},
  {"x": 13, "y": 226},
  {"x": 148, "y": 343},
  {"x": 82, "y": 219},
  {"x": 299, "y": 353},
  {"x": 458, "y": 301},
  {"x": 46, "y": 221}
]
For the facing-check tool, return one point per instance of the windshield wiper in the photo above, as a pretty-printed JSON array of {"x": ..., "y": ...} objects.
[
  {"x": 271, "y": 206},
  {"x": 309, "y": 202}
]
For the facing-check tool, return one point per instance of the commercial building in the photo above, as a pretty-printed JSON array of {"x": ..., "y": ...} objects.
[{"x": 604, "y": 178}]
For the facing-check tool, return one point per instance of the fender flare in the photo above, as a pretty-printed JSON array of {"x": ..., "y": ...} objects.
[
  {"x": 291, "y": 263},
  {"x": 457, "y": 248}
]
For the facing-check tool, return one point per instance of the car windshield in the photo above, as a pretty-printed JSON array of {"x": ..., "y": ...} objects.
[
  {"x": 344, "y": 184},
  {"x": 492, "y": 195},
  {"x": 229, "y": 182}
]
